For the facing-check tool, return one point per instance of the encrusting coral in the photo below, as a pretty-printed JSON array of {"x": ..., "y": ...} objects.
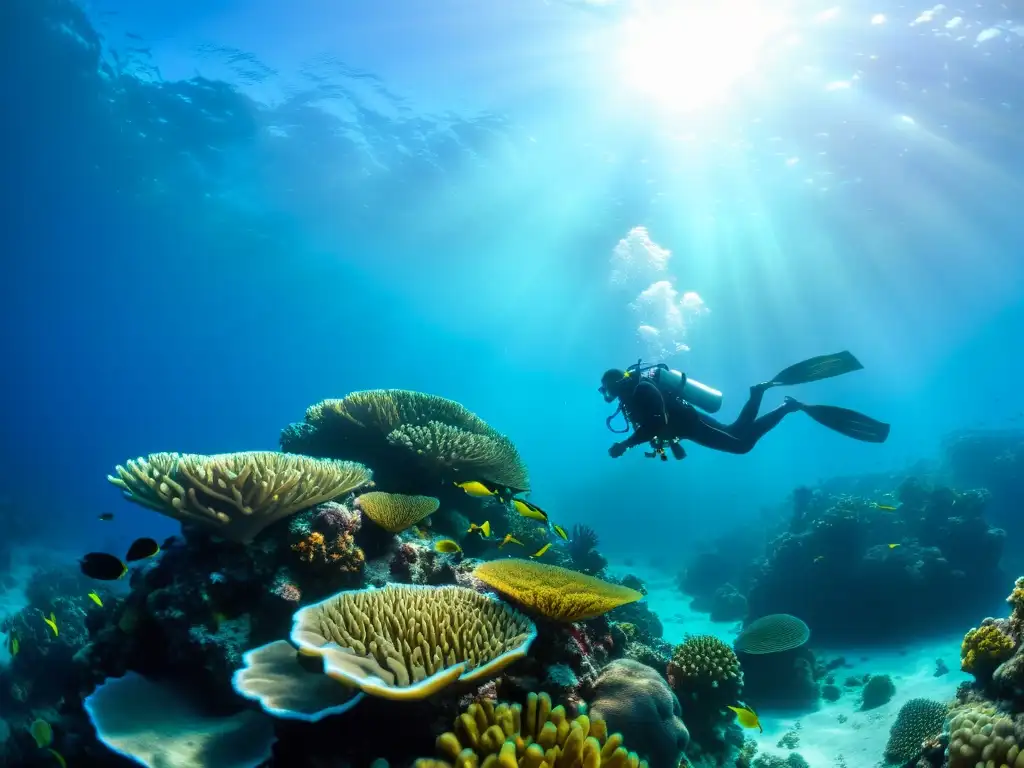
[
  {"x": 236, "y": 495},
  {"x": 541, "y": 736},
  {"x": 553, "y": 592},
  {"x": 395, "y": 512},
  {"x": 440, "y": 435}
]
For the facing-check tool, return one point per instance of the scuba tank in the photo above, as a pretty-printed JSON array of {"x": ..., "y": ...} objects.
[{"x": 692, "y": 391}]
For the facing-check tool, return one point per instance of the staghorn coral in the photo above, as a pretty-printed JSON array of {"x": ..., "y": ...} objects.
[
  {"x": 408, "y": 642},
  {"x": 554, "y": 592},
  {"x": 394, "y": 512},
  {"x": 978, "y": 738},
  {"x": 984, "y": 648},
  {"x": 917, "y": 720},
  {"x": 439, "y": 435},
  {"x": 772, "y": 634},
  {"x": 541, "y": 736},
  {"x": 236, "y": 495},
  {"x": 706, "y": 669}
]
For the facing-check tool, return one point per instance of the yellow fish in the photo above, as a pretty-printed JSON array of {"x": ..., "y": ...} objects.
[
  {"x": 58, "y": 757},
  {"x": 509, "y": 539},
  {"x": 447, "y": 546},
  {"x": 542, "y": 550},
  {"x": 819, "y": 558},
  {"x": 13, "y": 645},
  {"x": 747, "y": 718},
  {"x": 560, "y": 531},
  {"x": 41, "y": 732},
  {"x": 52, "y": 624},
  {"x": 481, "y": 489},
  {"x": 886, "y": 507},
  {"x": 96, "y": 599},
  {"x": 485, "y": 529},
  {"x": 532, "y": 511},
  {"x": 893, "y": 546}
]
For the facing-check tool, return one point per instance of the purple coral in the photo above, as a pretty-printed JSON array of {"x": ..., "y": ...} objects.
[{"x": 336, "y": 519}]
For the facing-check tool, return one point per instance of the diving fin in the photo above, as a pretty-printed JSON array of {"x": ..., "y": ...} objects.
[
  {"x": 846, "y": 422},
  {"x": 817, "y": 368}
]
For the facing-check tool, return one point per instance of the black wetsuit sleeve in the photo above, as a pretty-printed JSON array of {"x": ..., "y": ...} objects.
[{"x": 647, "y": 409}]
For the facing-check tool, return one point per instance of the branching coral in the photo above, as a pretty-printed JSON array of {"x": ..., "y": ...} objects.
[
  {"x": 983, "y": 649},
  {"x": 541, "y": 736},
  {"x": 917, "y": 720},
  {"x": 440, "y": 434},
  {"x": 340, "y": 553},
  {"x": 395, "y": 512},
  {"x": 555, "y": 593},
  {"x": 236, "y": 495}
]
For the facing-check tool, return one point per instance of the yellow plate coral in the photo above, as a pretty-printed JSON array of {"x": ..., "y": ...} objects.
[{"x": 554, "y": 592}]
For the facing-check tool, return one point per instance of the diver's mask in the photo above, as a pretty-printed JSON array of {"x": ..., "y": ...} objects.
[{"x": 611, "y": 383}]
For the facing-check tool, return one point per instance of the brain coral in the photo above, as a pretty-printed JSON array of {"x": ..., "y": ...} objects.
[
  {"x": 395, "y": 512},
  {"x": 917, "y": 720},
  {"x": 506, "y": 736},
  {"x": 236, "y": 495},
  {"x": 408, "y": 642},
  {"x": 977, "y": 738},
  {"x": 553, "y": 592},
  {"x": 440, "y": 434},
  {"x": 704, "y": 667},
  {"x": 635, "y": 700},
  {"x": 772, "y": 634}
]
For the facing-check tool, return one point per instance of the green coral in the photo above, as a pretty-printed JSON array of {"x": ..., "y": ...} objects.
[
  {"x": 917, "y": 721},
  {"x": 704, "y": 667},
  {"x": 878, "y": 690}
]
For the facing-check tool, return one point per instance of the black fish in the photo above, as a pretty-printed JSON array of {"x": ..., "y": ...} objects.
[
  {"x": 107, "y": 517},
  {"x": 141, "y": 549},
  {"x": 104, "y": 567}
]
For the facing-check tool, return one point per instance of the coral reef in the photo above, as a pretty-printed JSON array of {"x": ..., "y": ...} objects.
[
  {"x": 411, "y": 439},
  {"x": 994, "y": 653},
  {"x": 533, "y": 737},
  {"x": 923, "y": 565},
  {"x": 582, "y": 549},
  {"x": 977, "y": 737}
]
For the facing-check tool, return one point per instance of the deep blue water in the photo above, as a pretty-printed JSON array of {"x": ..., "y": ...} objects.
[{"x": 218, "y": 214}]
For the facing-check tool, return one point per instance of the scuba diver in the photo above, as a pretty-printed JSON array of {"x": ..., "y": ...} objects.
[{"x": 661, "y": 406}]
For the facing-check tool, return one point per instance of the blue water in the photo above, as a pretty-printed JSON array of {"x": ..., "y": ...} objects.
[{"x": 216, "y": 214}]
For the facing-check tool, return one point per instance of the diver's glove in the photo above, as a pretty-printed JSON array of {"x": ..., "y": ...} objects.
[{"x": 617, "y": 450}]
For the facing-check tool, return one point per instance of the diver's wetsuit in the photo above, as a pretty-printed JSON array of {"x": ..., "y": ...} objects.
[{"x": 656, "y": 416}]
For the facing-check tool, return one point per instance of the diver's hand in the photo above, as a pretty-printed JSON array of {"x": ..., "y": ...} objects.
[{"x": 617, "y": 450}]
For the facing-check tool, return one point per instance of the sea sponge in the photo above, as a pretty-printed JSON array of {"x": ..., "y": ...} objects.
[
  {"x": 980, "y": 738},
  {"x": 772, "y": 634},
  {"x": 703, "y": 666},
  {"x": 155, "y": 724},
  {"x": 539, "y": 736},
  {"x": 408, "y": 642},
  {"x": 553, "y": 592},
  {"x": 441, "y": 434},
  {"x": 984, "y": 648},
  {"x": 917, "y": 720},
  {"x": 395, "y": 512},
  {"x": 636, "y": 701},
  {"x": 236, "y": 495}
]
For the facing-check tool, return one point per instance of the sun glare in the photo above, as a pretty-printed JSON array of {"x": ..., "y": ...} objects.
[{"x": 688, "y": 58}]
